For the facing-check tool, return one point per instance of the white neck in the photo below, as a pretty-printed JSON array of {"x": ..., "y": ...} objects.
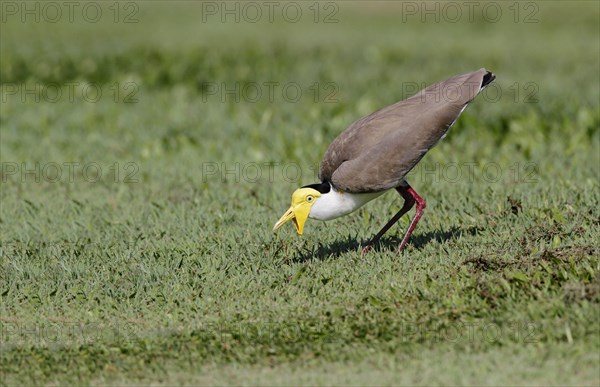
[{"x": 334, "y": 204}]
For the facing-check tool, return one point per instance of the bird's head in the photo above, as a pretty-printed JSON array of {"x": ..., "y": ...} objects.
[{"x": 302, "y": 201}]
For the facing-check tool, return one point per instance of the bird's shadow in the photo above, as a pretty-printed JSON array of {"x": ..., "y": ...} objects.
[{"x": 340, "y": 247}]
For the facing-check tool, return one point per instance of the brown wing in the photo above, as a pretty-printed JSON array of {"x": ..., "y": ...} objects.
[{"x": 377, "y": 151}]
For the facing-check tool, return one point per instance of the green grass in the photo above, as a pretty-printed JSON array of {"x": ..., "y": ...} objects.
[{"x": 164, "y": 269}]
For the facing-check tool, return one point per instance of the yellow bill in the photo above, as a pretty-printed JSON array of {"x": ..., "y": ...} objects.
[{"x": 302, "y": 201}]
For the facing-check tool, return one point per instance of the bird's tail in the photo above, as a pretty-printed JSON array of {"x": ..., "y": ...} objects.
[{"x": 487, "y": 79}]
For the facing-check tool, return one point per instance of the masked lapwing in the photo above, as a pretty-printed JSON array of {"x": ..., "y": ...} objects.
[{"x": 375, "y": 153}]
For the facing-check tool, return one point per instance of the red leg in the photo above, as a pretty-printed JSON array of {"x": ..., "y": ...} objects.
[
  {"x": 409, "y": 202},
  {"x": 420, "y": 208}
]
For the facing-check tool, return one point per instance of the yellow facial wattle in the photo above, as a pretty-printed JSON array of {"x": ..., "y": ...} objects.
[{"x": 302, "y": 201}]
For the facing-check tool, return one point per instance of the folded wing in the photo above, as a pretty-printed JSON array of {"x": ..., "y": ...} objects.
[{"x": 377, "y": 151}]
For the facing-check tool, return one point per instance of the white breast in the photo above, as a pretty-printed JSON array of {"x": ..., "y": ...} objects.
[{"x": 335, "y": 204}]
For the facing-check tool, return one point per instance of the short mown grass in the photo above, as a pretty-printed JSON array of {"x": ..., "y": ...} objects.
[{"x": 150, "y": 259}]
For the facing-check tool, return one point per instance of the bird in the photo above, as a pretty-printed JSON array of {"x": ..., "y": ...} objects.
[{"x": 376, "y": 152}]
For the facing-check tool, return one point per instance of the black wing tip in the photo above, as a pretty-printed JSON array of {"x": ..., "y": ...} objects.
[{"x": 487, "y": 79}]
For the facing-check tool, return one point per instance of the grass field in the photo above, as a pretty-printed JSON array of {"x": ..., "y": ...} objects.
[{"x": 147, "y": 152}]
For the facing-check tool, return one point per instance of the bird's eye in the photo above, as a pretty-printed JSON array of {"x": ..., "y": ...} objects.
[{"x": 309, "y": 199}]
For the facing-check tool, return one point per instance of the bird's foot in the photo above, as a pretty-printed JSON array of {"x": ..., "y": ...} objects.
[{"x": 368, "y": 247}]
